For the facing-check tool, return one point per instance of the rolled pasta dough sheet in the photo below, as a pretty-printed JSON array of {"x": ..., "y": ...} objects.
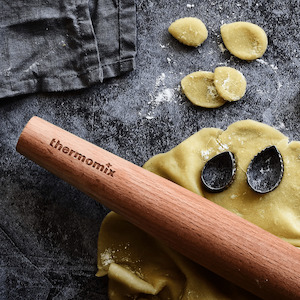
[
  {"x": 140, "y": 267},
  {"x": 278, "y": 211}
]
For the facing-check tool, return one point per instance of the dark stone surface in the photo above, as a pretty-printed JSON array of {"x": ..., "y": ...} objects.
[{"x": 48, "y": 229}]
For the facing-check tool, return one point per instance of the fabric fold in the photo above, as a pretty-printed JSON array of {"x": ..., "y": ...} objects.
[
  {"x": 64, "y": 45},
  {"x": 115, "y": 28}
]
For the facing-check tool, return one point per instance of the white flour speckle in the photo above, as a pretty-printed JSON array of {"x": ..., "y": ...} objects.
[
  {"x": 280, "y": 126},
  {"x": 165, "y": 95},
  {"x": 160, "y": 80},
  {"x": 222, "y": 48},
  {"x": 107, "y": 257},
  {"x": 149, "y": 116},
  {"x": 205, "y": 154},
  {"x": 263, "y": 62},
  {"x": 161, "y": 94},
  {"x": 273, "y": 67},
  {"x": 279, "y": 85},
  {"x": 164, "y": 46}
]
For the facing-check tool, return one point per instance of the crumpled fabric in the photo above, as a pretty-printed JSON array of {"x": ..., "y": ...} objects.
[{"x": 64, "y": 45}]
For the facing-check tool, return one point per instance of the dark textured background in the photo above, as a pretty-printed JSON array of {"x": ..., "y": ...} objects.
[{"x": 48, "y": 229}]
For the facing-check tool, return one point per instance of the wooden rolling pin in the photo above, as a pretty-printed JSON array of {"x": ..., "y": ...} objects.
[{"x": 194, "y": 226}]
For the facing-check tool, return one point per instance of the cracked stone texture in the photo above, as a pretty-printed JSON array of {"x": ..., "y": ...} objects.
[{"x": 48, "y": 229}]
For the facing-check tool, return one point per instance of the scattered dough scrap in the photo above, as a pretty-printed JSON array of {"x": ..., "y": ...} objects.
[
  {"x": 230, "y": 83},
  {"x": 199, "y": 88},
  {"x": 189, "y": 31},
  {"x": 244, "y": 40}
]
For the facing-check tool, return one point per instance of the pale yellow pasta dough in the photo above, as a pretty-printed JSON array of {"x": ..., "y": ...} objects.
[
  {"x": 244, "y": 40},
  {"x": 199, "y": 88},
  {"x": 278, "y": 211},
  {"x": 139, "y": 267},
  {"x": 189, "y": 31},
  {"x": 230, "y": 83}
]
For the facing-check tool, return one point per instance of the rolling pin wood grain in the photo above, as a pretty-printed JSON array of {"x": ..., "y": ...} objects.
[{"x": 194, "y": 226}]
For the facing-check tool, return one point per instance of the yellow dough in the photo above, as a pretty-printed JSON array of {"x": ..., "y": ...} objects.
[
  {"x": 230, "y": 83},
  {"x": 189, "y": 31},
  {"x": 199, "y": 88},
  {"x": 244, "y": 40},
  {"x": 139, "y": 267},
  {"x": 278, "y": 211}
]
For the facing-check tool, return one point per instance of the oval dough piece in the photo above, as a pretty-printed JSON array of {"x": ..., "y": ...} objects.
[
  {"x": 189, "y": 31},
  {"x": 230, "y": 83},
  {"x": 244, "y": 40},
  {"x": 199, "y": 88}
]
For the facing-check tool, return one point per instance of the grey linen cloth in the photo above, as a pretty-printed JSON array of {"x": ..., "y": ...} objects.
[{"x": 64, "y": 44}]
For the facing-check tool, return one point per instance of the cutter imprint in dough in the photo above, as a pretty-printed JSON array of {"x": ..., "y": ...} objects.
[
  {"x": 230, "y": 83},
  {"x": 189, "y": 31},
  {"x": 199, "y": 88},
  {"x": 244, "y": 40}
]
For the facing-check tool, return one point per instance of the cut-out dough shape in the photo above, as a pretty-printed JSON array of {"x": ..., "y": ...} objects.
[
  {"x": 199, "y": 88},
  {"x": 189, "y": 31},
  {"x": 230, "y": 83},
  {"x": 244, "y": 40}
]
